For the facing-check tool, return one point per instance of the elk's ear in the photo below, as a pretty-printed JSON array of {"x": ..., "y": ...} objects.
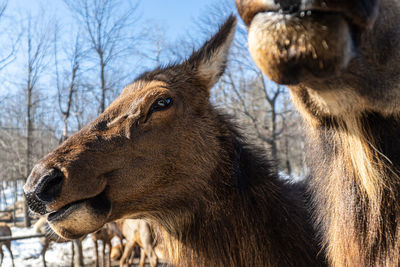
[{"x": 209, "y": 62}]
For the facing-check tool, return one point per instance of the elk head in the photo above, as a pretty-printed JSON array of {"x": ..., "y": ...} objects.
[
  {"x": 149, "y": 152},
  {"x": 337, "y": 56}
]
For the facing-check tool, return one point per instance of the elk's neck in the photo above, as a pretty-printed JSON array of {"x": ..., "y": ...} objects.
[
  {"x": 356, "y": 186},
  {"x": 249, "y": 218}
]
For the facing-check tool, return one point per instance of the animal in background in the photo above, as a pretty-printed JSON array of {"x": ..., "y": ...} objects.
[
  {"x": 116, "y": 252},
  {"x": 5, "y": 231},
  {"x": 138, "y": 233},
  {"x": 106, "y": 234},
  {"x": 42, "y": 227}
]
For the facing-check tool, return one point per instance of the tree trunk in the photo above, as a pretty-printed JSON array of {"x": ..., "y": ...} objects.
[
  {"x": 103, "y": 85},
  {"x": 4, "y": 196},
  {"x": 27, "y": 219},
  {"x": 288, "y": 165},
  {"x": 274, "y": 148},
  {"x": 15, "y": 201}
]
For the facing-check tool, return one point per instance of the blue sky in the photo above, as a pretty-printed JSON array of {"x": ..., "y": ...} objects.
[{"x": 175, "y": 16}]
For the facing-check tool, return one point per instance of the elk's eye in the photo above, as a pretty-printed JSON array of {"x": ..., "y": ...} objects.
[{"x": 161, "y": 103}]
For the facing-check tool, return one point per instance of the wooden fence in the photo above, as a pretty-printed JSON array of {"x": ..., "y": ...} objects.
[{"x": 11, "y": 238}]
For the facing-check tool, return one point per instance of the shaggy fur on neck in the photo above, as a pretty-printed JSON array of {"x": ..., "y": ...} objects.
[
  {"x": 243, "y": 216},
  {"x": 355, "y": 164}
]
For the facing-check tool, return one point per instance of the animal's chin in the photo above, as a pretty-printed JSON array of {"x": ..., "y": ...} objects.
[
  {"x": 296, "y": 48},
  {"x": 81, "y": 217}
]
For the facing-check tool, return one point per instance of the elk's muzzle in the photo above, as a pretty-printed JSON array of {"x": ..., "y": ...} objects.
[{"x": 43, "y": 187}]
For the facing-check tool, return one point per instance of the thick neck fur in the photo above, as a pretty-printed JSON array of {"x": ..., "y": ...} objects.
[
  {"x": 355, "y": 164},
  {"x": 245, "y": 216}
]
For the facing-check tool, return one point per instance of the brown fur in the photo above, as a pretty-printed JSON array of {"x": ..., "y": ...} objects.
[
  {"x": 351, "y": 103},
  {"x": 215, "y": 199}
]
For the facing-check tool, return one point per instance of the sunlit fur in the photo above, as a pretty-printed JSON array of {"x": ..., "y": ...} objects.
[
  {"x": 357, "y": 206},
  {"x": 283, "y": 46},
  {"x": 264, "y": 223}
]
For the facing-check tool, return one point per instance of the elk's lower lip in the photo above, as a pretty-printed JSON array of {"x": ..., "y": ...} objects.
[
  {"x": 65, "y": 211},
  {"x": 69, "y": 208}
]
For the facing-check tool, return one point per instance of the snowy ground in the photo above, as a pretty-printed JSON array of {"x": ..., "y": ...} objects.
[{"x": 27, "y": 251}]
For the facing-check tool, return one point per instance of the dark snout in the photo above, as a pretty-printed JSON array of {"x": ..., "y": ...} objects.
[
  {"x": 43, "y": 187},
  {"x": 359, "y": 12}
]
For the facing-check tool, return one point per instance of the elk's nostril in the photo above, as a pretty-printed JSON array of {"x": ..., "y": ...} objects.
[
  {"x": 291, "y": 9},
  {"x": 289, "y": 6},
  {"x": 49, "y": 187},
  {"x": 34, "y": 204}
]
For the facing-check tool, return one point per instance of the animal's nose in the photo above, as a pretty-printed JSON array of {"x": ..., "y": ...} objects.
[
  {"x": 49, "y": 186},
  {"x": 289, "y": 6},
  {"x": 248, "y": 9},
  {"x": 43, "y": 187}
]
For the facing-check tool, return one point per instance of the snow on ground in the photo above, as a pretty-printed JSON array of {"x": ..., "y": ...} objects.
[{"x": 27, "y": 251}]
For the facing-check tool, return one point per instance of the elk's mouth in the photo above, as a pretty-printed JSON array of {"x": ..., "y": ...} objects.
[
  {"x": 64, "y": 211},
  {"x": 311, "y": 12},
  {"x": 99, "y": 203},
  {"x": 79, "y": 218},
  {"x": 295, "y": 45}
]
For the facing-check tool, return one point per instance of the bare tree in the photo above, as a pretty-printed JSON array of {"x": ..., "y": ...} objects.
[
  {"x": 272, "y": 97},
  {"x": 260, "y": 104},
  {"x": 8, "y": 49},
  {"x": 37, "y": 41},
  {"x": 68, "y": 83},
  {"x": 106, "y": 25}
]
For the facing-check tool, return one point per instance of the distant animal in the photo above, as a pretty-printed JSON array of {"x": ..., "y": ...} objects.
[
  {"x": 116, "y": 252},
  {"x": 6, "y": 216},
  {"x": 341, "y": 62},
  {"x": 5, "y": 231},
  {"x": 106, "y": 234},
  {"x": 162, "y": 152},
  {"x": 138, "y": 233},
  {"x": 42, "y": 227}
]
